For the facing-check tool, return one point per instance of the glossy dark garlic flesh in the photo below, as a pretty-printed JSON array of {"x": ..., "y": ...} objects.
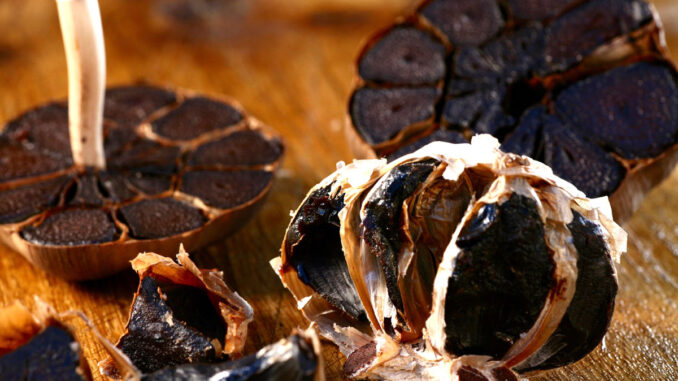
[
  {"x": 458, "y": 260},
  {"x": 38, "y": 347},
  {"x": 180, "y": 168},
  {"x": 296, "y": 358},
  {"x": 584, "y": 86},
  {"x": 180, "y": 314}
]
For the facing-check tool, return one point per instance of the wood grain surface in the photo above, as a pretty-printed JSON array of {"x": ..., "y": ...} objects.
[{"x": 290, "y": 63}]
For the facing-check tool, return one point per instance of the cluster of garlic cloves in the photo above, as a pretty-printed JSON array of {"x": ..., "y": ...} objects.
[{"x": 456, "y": 258}]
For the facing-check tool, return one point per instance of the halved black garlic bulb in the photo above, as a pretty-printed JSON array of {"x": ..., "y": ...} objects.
[
  {"x": 458, "y": 260},
  {"x": 180, "y": 314},
  {"x": 204, "y": 165},
  {"x": 585, "y": 86},
  {"x": 86, "y": 185},
  {"x": 296, "y": 358}
]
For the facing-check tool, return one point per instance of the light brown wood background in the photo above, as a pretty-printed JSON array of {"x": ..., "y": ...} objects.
[{"x": 290, "y": 63}]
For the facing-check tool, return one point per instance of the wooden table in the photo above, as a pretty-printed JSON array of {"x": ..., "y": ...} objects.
[{"x": 290, "y": 63}]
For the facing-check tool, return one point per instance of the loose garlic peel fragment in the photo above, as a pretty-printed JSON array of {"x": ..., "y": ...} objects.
[{"x": 383, "y": 340}]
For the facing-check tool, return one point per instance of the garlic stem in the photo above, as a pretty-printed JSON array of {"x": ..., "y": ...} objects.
[{"x": 86, "y": 59}]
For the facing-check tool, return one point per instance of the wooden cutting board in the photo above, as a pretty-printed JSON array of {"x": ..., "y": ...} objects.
[{"x": 290, "y": 63}]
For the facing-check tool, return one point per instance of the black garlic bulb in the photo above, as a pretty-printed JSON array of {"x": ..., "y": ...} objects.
[{"x": 458, "y": 261}]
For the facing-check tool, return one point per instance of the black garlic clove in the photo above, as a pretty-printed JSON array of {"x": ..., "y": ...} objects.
[
  {"x": 73, "y": 227},
  {"x": 171, "y": 325},
  {"x": 405, "y": 56},
  {"x": 634, "y": 109},
  {"x": 177, "y": 217},
  {"x": 380, "y": 114},
  {"x": 465, "y": 22},
  {"x": 180, "y": 314},
  {"x": 39, "y": 346},
  {"x": 53, "y": 354},
  {"x": 589, "y": 314},
  {"x": 313, "y": 244},
  {"x": 296, "y": 358},
  {"x": 383, "y": 213},
  {"x": 502, "y": 276},
  {"x": 196, "y": 117}
]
